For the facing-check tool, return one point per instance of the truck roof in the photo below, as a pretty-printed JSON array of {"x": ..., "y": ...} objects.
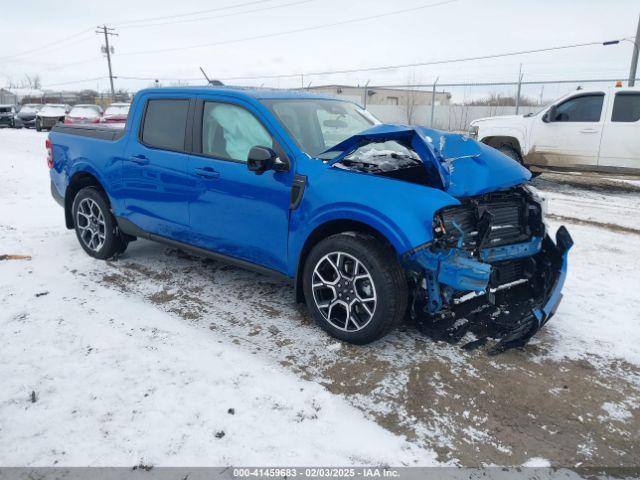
[
  {"x": 604, "y": 88},
  {"x": 252, "y": 92}
]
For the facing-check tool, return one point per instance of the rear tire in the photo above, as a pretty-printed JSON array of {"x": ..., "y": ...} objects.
[
  {"x": 95, "y": 225},
  {"x": 354, "y": 287}
]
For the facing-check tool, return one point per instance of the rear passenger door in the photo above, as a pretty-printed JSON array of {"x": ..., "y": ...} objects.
[
  {"x": 156, "y": 187},
  {"x": 620, "y": 147}
]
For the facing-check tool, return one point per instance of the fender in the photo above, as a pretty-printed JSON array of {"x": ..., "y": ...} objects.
[{"x": 400, "y": 211}]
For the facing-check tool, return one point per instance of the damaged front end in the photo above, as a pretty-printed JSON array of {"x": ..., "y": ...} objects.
[
  {"x": 491, "y": 270},
  {"x": 490, "y": 267}
]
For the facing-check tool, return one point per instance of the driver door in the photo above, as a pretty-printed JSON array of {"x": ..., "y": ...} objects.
[
  {"x": 572, "y": 137},
  {"x": 236, "y": 212}
]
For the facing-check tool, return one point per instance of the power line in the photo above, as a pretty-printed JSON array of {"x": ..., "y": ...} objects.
[
  {"x": 74, "y": 81},
  {"x": 375, "y": 68},
  {"x": 381, "y": 67},
  {"x": 297, "y": 30},
  {"x": 47, "y": 46},
  {"x": 253, "y": 2},
  {"x": 233, "y": 14},
  {"x": 416, "y": 64}
]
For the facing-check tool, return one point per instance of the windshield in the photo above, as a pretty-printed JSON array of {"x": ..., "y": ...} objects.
[
  {"x": 117, "y": 110},
  {"x": 30, "y": 108},
  {"x": 317, "y": 125},
  {"x": 5, "y": 109},
  {"x": 85, "y": 111}
]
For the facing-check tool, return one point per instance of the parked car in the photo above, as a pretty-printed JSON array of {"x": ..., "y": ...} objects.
[
  {"x": 596, "y": 129},
  {"x": 27, "y": 114},
  {"x": 51, "y": 114},
  {"x": 83, "y": 114},
  {"x": 116, "y": 113},
  {"x": 7, "y": 115},
  {"x": 371, "y": 222}
]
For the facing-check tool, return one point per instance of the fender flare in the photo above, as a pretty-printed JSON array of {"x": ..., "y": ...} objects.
[
  {"x": 506, "y": 132},
  {"x": 340, "y": 219}
]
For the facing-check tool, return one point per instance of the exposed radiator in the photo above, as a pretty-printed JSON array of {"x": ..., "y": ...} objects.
[{"x": 510, "y": 225}]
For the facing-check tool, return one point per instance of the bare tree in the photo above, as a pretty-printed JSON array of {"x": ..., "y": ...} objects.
[
  {"x": 32, "y": 81},
  {"x": 499, "y": 100}
]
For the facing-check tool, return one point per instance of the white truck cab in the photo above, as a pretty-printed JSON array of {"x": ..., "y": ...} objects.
[{"x": 596, "y": 129}]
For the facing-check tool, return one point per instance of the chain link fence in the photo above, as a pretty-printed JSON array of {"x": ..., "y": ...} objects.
[{"x": 458, "y": 104}]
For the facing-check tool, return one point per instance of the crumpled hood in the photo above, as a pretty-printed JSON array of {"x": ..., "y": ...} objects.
[{"x": 463, "y": 166}]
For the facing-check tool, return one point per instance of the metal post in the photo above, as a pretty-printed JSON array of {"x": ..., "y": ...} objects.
[
  {"x": 634, "y": 58},
  {"x": 366, "y": 91},
  {"x": 519, "y": 88},
  {"x": 433, "y": 101}
]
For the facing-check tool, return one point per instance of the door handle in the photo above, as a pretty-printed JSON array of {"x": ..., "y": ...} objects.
[
  {"x": 589, "y": 130},
  {"x": 139, "y": 159},
  {"x": 207, "y": 172}
]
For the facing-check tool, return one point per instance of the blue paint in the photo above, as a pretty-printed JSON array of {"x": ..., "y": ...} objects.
[
  {"x": 454, "y": 268},
  {"x": 511, "y": 252},
  {"x": 556, "y": 294}
]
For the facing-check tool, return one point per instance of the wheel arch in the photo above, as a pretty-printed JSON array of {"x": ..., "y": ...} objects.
[
  {"x": 325, "y": 230},
  {"x": 497, "y": 141},
  {"x": 77, "y": 182}
]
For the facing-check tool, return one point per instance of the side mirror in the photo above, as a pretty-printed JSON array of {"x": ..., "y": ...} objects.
[
  {"x": 551, "y": 114},
  {"x": 261, "y": 159}
]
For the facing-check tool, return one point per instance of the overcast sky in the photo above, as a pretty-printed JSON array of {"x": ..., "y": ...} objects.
[{"x": 460, "y": 28}]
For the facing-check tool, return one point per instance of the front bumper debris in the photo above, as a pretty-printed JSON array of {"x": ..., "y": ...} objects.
[{"x": 455, "y": 293}]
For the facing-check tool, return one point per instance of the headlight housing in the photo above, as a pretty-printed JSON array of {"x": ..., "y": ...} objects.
[{"x": 538, "y": 197}]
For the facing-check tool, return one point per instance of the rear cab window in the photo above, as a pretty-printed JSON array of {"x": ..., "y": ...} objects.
[
  {"x": 626, "y": 107},
  {"x": 164, "y": 124}
]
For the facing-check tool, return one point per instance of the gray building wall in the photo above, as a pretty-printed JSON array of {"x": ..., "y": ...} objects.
[
  {"x": 7, "y": 98},
  {"x": 383, "y": 96}
]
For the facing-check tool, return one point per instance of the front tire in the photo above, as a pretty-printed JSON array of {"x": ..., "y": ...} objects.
[
  {"x": 511, "y": 153},
  {"x": 95, "y": 226},
  {"x": 354, "y": 287}
]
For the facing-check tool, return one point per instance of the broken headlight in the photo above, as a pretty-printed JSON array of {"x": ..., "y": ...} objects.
[{"x": 537, "y": 196}]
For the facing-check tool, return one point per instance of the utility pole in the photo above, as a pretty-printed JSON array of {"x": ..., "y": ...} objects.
[
  {"x": 108, "y": 50},
  {"x": 634, "y": 58}
]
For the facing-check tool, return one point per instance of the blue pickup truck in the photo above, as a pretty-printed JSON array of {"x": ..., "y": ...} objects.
[{"x": 373, "y": 223}]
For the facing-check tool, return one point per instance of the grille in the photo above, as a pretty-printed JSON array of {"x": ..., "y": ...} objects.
[
  {"x": 509, "y": 271},
  {"x": 510, "y": 223}
]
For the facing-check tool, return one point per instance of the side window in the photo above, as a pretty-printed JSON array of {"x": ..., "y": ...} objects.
[
  {"x": 626, "y": 107},
  {"x": 229, "y": 131},
  {"x": 585, "y": 108},
  {"x": 165, "y": 122}
]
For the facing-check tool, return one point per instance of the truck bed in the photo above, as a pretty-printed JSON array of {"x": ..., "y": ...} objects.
[{"x": 102, "y": 132}]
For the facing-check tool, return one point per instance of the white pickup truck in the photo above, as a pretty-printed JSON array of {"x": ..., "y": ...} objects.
[{"x": 595, "y": 129}]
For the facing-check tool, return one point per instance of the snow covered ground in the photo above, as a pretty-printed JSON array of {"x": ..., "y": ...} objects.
[
  {"x": 119, "y": 382},
  {"x": 140, "y": 359}
]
